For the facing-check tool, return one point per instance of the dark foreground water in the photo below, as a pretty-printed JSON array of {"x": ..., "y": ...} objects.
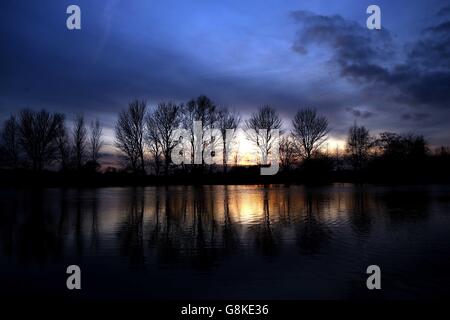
[{"x": 233, "y": 242}]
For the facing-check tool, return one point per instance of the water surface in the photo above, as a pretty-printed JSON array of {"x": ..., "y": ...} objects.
[{"x": 249, "y": 242}]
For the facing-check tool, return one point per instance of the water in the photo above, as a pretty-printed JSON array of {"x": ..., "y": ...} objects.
[{"x": 234, "y": 242}]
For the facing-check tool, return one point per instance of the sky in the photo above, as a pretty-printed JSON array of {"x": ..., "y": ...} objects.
[{"x": 242, "y": 54}]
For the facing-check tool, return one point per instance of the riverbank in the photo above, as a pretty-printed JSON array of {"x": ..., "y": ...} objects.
[{"x": 24, "y": 178}]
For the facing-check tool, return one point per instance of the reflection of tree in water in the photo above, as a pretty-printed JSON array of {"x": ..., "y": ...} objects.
[
  {"x": 79, "y": 223},
  {"x": 94, "y": 222},
  {"x": 265, "y": 237},
  {"x": 155, "y": 229},
  {"x": 405, "y": 206},
  {"x": 35, "y": 224},
  {"x": 9, "y": 209},
  {"x": 206, "y": 252},
  {"x": 194, "y": 224},
  {"x": 169, "y": 234},
  {"x": 312, "y": 234},
  {"x": 285, "y": 206},
  {"x": 63, "y": 219},
  {"x": 168, "y": 242},
  {"x": 85, "y": 207},
  {"x": 361, "y": 221},
  {"x": 37, "y": 235},
  {"x": 185, "y": 229},
  {"x": 131, "y": 231},
  {"x": 229, "y": 232}
]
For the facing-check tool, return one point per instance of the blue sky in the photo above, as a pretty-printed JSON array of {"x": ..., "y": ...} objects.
[{"x": 242, "y": 54}]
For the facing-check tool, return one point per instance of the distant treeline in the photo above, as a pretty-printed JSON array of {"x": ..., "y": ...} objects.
[{"x": 40, "y": 144}]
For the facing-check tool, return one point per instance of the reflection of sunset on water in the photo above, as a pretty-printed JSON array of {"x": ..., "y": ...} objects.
[
  {"x": 180, "y": 206},
  {"x": 234, "y": 233}
]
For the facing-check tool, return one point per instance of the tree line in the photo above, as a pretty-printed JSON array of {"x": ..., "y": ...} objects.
[
  {"x": 39, "y": 140},
  {"x": 145, "y": 138},
  {"x": 139, "y": 131}
]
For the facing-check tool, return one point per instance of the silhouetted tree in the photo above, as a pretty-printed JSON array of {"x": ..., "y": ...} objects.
[
  {"x": 310, "y": 130},
  {"x": 64, "y": 148},
  {"x": 227, "y": 120},
  {"x": 416, "y": 146},
  {"x": 288, "y": 152},
  {"x": 95, "y": 141},
  {"x": 79, "y": 136},
  {"x": 401, "y": 157},
  {"x": 204, "y": 110},
  {"x": 38, "y": 132},
  {"x": 260, "y": 129},
  {"x": 165, "y": 119},
  {"x": 10, "y": 142},
  {"x": 401, "y": 147},
  {"x": 129, "y": 132},
  {"x": 440, "y": 164},
  {"x": 359, "y": 143},
  {"x": 153, "y": 141}
]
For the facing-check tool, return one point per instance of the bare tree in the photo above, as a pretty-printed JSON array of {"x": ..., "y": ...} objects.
[
  {"x": 359, "y": 143},
  {"x": 154, "y": 142},
  {"x": 310, "y": 130},
  {"x": 260, "y": 129},
  {"x": 10, "y": 142},
  {"x": 288, "y": 152},
  {"x": 130, "y": 134},
  {"x": 79, "y": 136},
  {"x": 95, "y": 141},
  {"x": 394, "y": 146},
  {"x": 63, "y": 145},
  {"x": 161, "y": 124},
  {"x": 227, "y": 120},
  {"x": 38, "y": 132},
  {"x": 204, "y": 110}
]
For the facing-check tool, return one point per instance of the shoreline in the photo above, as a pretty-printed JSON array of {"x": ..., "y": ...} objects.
[{"x": 78, "y": 179}]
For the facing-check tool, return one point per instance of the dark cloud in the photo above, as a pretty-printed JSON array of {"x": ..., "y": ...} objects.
[
  {"x": 415, "y": 116},
  {"x": 353, "y": 47},
  {"x": 366, "y": 57},
  {"x": 442, "y": 27},
  {"x": 357, "y": 113},
  {"x": 443, "y": 12}
]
